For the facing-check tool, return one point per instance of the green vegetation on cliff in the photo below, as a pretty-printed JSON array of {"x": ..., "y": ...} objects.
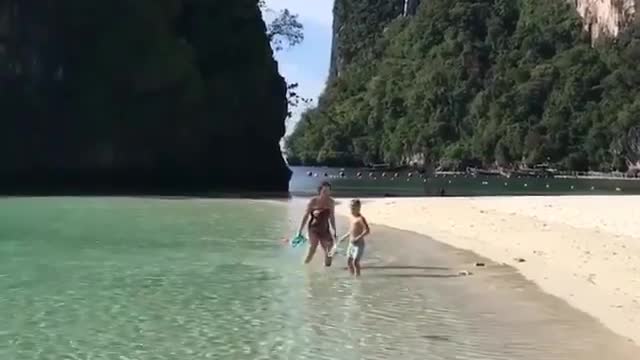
[
  {"x": 141, "y": 95},
  {"x": 476, "y": 82}
]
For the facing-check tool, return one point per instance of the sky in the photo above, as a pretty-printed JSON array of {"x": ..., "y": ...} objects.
[{"x": 307, "y": 63}]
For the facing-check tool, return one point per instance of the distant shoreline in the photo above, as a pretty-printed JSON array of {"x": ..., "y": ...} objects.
[
  {"x": 596, "y": 177},
  {"x": 334, "y": 171}
]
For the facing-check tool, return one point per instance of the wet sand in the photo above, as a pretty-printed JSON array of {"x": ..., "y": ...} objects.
[
  {"x": 583, "y": 250},
  {"x": 414, "y": 304}
]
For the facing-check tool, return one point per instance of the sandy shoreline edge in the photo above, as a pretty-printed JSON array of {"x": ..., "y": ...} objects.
[{"x": 583, "y": 249}]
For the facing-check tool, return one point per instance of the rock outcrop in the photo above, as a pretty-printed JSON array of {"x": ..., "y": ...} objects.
[
  {"x": 606, "y": 18},
  {"x": 410, "y": 7},
  {"x": 139, "y": 96}
]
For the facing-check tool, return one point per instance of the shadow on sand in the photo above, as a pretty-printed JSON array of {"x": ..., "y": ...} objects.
[
  {"x": 426, "y": 276},
  {"x": 413, "y": 275},
  {"x": 400, "y": 267}
]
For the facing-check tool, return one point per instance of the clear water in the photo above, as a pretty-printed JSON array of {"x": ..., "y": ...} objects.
[{"x": 119, "y": 278}]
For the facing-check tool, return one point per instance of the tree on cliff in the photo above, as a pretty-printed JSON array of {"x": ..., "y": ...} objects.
[
  {"x": 467, "y": 82},
  {"x": 286, "y": 31}
]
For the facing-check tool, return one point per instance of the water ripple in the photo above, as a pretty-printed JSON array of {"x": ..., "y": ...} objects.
[{"x": 182, "y": 292}]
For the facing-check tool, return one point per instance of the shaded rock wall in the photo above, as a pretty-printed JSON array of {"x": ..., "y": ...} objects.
[{"x": 139, "y": 96}]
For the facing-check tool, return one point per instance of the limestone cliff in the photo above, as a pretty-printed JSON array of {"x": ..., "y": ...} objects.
[
  {"x": 606, "y": 18},
  {"x": 139, "y": 96}
]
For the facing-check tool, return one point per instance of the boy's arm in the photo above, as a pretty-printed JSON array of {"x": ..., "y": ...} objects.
[
  {"x": 339, "y": 241},
  {"x": 366, "y": 230},
  {"x": 344, "y": 237}
]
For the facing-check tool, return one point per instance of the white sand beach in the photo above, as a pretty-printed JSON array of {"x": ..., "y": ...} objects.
[{"x": 585, "y": 250}]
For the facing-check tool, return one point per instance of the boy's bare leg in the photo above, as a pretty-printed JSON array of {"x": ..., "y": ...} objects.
[
  {"x": 356, "y": 265},
  {"x": 350, "y": 265}
]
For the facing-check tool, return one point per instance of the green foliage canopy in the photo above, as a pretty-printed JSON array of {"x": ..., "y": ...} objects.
[{"x": 477, "y": 82}]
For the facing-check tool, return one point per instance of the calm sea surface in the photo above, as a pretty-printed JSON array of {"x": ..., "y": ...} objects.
[
  {"x": 365, "y": 183},
  {"x": 156, "y": 279}
]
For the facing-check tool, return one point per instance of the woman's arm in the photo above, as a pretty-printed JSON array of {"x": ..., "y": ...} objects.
[
  {"x": 305, "y": 217},
  {"x": 332, "y": 219}
]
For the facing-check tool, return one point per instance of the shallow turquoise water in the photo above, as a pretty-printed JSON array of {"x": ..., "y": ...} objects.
[
  {"x": 121, "y": 278},
  {"x": 153, "y": 279}
]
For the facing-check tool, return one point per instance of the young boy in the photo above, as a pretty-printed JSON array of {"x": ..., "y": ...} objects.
[{"x": 358, "y": 229}]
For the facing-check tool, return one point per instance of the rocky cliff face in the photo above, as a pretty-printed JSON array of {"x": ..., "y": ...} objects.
[
  {"x": 348, "y": 43},
  {"x": 606, "y": 18},
  {"x": 410, "y": 7},
  {"x": 139, "y": 96}
]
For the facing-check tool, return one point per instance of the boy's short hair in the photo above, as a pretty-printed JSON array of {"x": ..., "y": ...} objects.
[{"x": 356, "y": 202}]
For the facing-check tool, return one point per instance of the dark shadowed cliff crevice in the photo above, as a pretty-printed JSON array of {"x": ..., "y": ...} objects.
[{"x": 139, "y": 96}]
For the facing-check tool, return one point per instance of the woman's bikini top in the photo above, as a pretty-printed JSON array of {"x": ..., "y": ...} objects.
[{"x": 320, "y": 218}]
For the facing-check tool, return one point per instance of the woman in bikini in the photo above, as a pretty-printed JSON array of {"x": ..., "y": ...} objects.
[{"x": 321, "y": 220}]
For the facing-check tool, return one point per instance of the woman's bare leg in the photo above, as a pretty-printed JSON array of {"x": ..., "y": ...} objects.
[
  {"x": 327, "y": 244},
  {"x": 313, "y": 245}
]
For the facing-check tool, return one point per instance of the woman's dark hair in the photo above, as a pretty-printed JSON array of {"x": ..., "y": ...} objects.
[{"x": 324, "y": 184}]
